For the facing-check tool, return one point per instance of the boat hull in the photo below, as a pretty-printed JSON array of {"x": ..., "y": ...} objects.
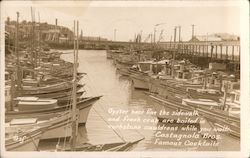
[
  {"x": 168, "y": 112},
  {"x": 140, "y": 83},
  {"x": 48, "y": 113}
]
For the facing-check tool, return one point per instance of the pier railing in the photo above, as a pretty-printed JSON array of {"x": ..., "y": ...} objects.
[{"x": 219, "y": 50}]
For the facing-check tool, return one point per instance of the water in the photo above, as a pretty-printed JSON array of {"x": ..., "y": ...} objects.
[{"x": 118, "y": 93}]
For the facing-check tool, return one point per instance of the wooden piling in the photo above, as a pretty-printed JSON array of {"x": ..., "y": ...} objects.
[
  {"x": 221, "y": 51},
  {"x": 199, "y": 50},
  {"x": 233, "y": 53},
  {"x": 226, "y": 52},
  {"x": 216, "y": 53},
  {"x": 203, "y": 50}
]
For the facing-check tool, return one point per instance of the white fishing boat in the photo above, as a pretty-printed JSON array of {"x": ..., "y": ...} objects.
[
  {"x": 170, "y": 111},
  {"x": 30, "y": 103},
  {"x": 84, "y": 105},
  {"x": 201, "y": 102},
  {"x": 207, "y": 93},
  {"x": 56, "y": 126},
  {"x": 233, "y": 103},
  {"x": 139, "y": 75}
]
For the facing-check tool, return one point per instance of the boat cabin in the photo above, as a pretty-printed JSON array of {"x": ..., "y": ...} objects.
[
  {"x": 197, "y": 76},
  {"x": 31, "y": 103},
  {"x": 183, "y": 74},
  {"x": 235, "y": 96},
  {"x": 159, "y": 66},
  {"x": 144, "y": 66},
  {"x": 231, "y": 85}
]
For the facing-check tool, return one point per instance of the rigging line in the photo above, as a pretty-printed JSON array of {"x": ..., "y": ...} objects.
[
  {"x": 116, "y": 129},
  {"x": 68, "y": 121},
  {"x": 109, "y": 125}
]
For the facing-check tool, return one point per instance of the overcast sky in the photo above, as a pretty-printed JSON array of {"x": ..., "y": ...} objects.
[{"x": 102, "y": 19}]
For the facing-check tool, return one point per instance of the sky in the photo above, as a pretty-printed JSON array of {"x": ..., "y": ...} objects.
[{"x": 131, "y": 18}]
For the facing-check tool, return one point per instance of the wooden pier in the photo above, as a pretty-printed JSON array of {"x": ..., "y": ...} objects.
[{"x": 202, "y": 53}]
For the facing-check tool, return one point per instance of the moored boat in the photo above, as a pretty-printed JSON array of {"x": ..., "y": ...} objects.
[{"x": 83, "y": 105}]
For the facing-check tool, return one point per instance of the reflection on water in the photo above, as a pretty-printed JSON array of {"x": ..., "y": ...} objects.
[{"x": 118, "y": 93}]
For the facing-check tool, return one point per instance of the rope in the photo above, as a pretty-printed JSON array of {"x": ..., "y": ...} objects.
[
  {"x": 109, "y": 125},
  {"x": 33, "y": 141},
  {"x": 103, "y": 109}
]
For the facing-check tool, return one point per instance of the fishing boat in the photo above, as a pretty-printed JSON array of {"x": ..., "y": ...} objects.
[
  {"x": 26, "y": 103},
  {"x": 36, "y": 91},
  {"x": 84, "y": 105},
  {"x": 56, "y": 126},
  {"x": 115, "y": 53},
  {"x": 200, "y": 93},
  {"x": 202, "y": 102},
  {"x": 46, "y": 80},
  {"x": 140, "y": 75},
  {"x": 123, "y": 71},
  {"x": 233, "y": 103},
  {"x": 57, "y": 94},
  {"x": 109, "y": 54},
  {"x": 170, "y": 111}
]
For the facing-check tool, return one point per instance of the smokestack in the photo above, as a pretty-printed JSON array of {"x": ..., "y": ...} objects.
[
  {"x": 8, "y": 20},
  {"x": 56, "y": 21}
]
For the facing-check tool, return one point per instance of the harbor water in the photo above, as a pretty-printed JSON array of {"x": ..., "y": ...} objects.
[{"x": 118, "y": 93}]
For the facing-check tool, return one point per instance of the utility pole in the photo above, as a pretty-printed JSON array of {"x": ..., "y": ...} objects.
[
  {"x": 179, "y": 33},
  {"x": 193, "y": 30},
  {"x": 175, "y": 28},
  {"x": 151, "y": 38}
]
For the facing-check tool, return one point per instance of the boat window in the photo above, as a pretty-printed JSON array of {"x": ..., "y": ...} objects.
[
  {"x": 180, "y": 75},
  {"x": 237, "y": 97}
]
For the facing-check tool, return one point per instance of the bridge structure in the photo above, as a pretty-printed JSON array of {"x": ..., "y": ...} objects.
[
  {"x": 205, "y": 51},
  {"x": 221, "y": 50}
]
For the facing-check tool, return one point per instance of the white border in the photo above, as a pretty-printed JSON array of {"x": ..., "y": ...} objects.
[{"x": 244, "y": 19}]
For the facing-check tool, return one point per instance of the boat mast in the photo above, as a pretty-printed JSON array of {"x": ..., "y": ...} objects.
[
  {"x": 172, "y": 65},
  {"x": 226, "y": 84},
  {"x": 74, "y": 125},
  {"x": 19, "y": 77},
  {"x": 32, "y": 42},
  {"x": 39, "y": 42}
]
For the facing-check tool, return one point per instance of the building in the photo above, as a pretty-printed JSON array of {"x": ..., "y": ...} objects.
[{"x": 215, "y": 37}]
